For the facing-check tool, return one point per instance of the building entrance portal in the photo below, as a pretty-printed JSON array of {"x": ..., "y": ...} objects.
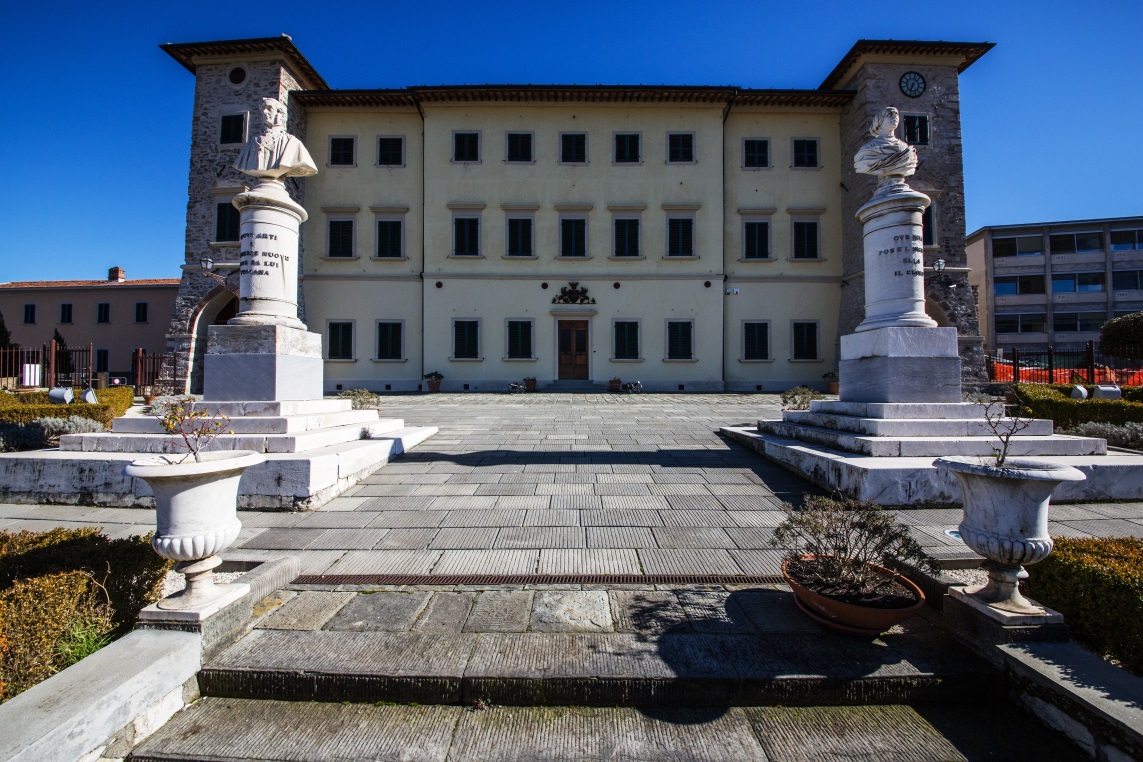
[{"x": 572, "y": 338}]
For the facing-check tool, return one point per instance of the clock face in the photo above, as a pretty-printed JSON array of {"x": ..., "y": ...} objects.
[{"x": 912, "y": 84}]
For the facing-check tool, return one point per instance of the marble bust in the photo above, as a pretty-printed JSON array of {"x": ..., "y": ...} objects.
[
  {"x": 885, "y": 156},
  {"x": 274, "y": 153}
]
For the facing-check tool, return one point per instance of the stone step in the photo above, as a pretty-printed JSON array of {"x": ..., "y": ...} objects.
[
  {"x": 932, "y": 446},
  {"x": 275, "y": 407},
  {"x": 900, "y": 410},
  {"x": 908, "y": 427},
  {"x": 265, "y": 424},
  {"x": 237, "y": 729}
]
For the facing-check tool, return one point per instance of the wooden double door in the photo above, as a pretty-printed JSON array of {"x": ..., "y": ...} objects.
[{"x": 572, "y": 347}]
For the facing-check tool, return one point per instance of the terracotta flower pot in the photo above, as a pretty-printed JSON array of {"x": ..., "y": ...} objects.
[
  {"x": 530, "y": 384},
  {"x": 614, "y": 385},
  {"x": 850, "y": 618},
  {"x": 833, "y": 387},
  {"x": 434, "y": 386}
]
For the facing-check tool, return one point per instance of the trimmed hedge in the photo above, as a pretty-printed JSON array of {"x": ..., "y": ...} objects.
[
  {"x": 118, "y": 398},
  {"x": 1097, "y": 584},
  {"x": 27, "y": 413},
  {"x": 1052, "y": 401}
]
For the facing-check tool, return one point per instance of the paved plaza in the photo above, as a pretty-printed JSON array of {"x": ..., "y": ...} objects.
[{"x": 561, "y": 484}]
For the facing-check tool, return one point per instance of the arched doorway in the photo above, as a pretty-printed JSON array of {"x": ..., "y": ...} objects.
[{"x": 216, "y": 309}]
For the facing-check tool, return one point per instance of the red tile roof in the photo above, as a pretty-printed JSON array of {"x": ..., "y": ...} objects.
[{"x": 86, "y": 283}]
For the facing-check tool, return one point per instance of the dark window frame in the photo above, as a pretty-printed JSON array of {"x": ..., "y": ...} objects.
[
  {"x": 67, "y": 313},
  {"x": 227, "y": 223},
  {"x": 341, "y": 341},
  {"x": 390, "y": 340},
  {"x": 385, "y": 238},
  {"x": 103, "y": 313},
  {"x": 343, "y": 150},
  {"x": 341, "y": 238},
  {"x": 568, "y": 145},
  {"x": 680, "y": 340},
  {"x": 681, "y": 148},
  {"x": 466, "y": 346},
  {"x": 466, "y": 147},
  {"x": 575, "y": 245},
  {"x": 142, "y": 310},
  {"x": 519, "y": 344},
  {"x": 519, "y": 148},
  {"x": 625, "y": 340},
  {"x": 466, "y": 236},
  {"x": 228, "y": 133},
  {"x": 756, "y": 153},
  {"x": 626, "y": 237},
  {"x": 29, "y": 314},
  {"x": 384, "y": 153},
  {"x": 756, "y": 246},
  {"x": 520, "y": 237},
  {"x": 804, "y": 246},
  {"x": 804, "y": 154},
  {"x": 915, "y": 129},
  {"x": 799, "y": 345},
  {"x": 681, "y": 237},
  {"x": 750, "y": 350},
  {"x": 627, "y": 145}
]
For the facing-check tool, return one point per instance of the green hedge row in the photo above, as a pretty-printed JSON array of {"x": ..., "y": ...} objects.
[
  {"x": 119, "y": 398},
  {"x": 25, "y": 414},
  {"x": 1097, "y": 584},
  {"x": 1052, "y": 401}
]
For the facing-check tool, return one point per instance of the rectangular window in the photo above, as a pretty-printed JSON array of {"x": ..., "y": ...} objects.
[
  {"x": 916, "y": 129},
  {"x": 573, "y": 148},
  {"x": 756, "y": 341},
  {"x": 1018, "y": 246},
  {"x": 391, "y": 151},
  {"x": 1124, "y": 280},
  {"x": 341, "y": 151},
  {"x": 1014, "y": 285},
  {"x": 680, "y": 237},
  {"x": 627, "y": 148},
  {"x": 519, "y": 146},
  {"x": 65, "y": 313},
  {"x": 227, "y": 222},
  {"x": 805, "y": 153},
  {"x": 232, "y": 129},
  {"x": 626, "y": 340},
  {"x": 1087, "y": 283},
  {"x": 573, "y": 237},
  {"x": 680, "y": 147},
  {"x": 805, "y": 240},
  {"x": 466, "y": 237},
  {"x": 340, "y": 340},
  {"x": 1076, "y": 243},
  {"x": 520, "y": 339},
  {"x": 389, "y": 235},
  {"x": 756, "y": 239},
  {"x": 680, "y": 344},
  {"x": 928, "y": 227},
  {"x": 1071, "y": 322},
  {"x": 340, "y": 238},
  {"x": 1033, "y": 322},
  {"x": 389, "y": 342},
  {"x": 1125, "y": 240},
  {"x": 102, "y": 361},
  {"x": 755, "y": 153},
  {"x": 805, "y": 341},
  {"x": 626, "y": 237},
  {"x": 103, "y": 312},
  {"x": 519, "y": 236},
  {"x": 466, "y": 146},
  {"x": 141, "y": 312},
  {"x": 466, "y": 339},
  {"x": 29, "y": 314}
]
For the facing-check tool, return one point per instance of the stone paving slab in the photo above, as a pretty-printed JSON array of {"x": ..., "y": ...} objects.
[
  {"x": 575, "y": 561},
  {"x": 380, "y": 612}
]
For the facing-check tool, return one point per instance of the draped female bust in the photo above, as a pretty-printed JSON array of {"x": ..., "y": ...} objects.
[
  {"x": 885, "y": 156},
  {"x": 274, "y": 153}
]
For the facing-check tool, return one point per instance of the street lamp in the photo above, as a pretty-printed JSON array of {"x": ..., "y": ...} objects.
[
  {"x": 206, "y": 263},
  {"x": 939, "y": 266}
]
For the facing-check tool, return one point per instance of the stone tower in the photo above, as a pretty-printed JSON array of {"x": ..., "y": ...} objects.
[
  {"x": 885, "y": 73},
  {"x": 231, "y": 79}
]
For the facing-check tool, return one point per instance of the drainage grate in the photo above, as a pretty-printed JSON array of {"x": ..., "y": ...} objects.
[{"x": 535, "y": 579}]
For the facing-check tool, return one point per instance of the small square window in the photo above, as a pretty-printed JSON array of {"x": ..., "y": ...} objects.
[
  {"x": 65, "y": 313},
  {"x": 626, "y": 340},
  {"x": 756, "y": 239},
  {"x": 805, "y": 341},
  {"x": 755, "y": 341},
  {"x": 928, "y": 227},
  {"x": 390, "y": 151},
  {"x": 340, "y": 238},
  {"x": 519, "y": 147},
  {"x": 627, "y": 148},
  {"x": 627, "y": 237},
  {"x": 232, "y": 129},
  {"x": 805, "y": 153},
  {"x": 573, "y": 237},
  {"x": 573, "y": 148},
  {"x": 680, "y": 147},
  {"x": 389, "y": 341},
  {"x": 466, "y": 339},
  {"x": 805, "y": 240},
  {"x": 340, "y": 340},
  {"x": 466, "y": 146},
  {"x": 141, "y": 309},
  {"x": 519, "y": 236},
  {"x": 916, "y": 129},
  {"x": 227, "y": 222},
  {"x": 102, "y": 360},
  {"x": 755, "y": 153},
  {"x": 680, "y": 237},
  {"x": 103, "y": 312},
  {"x": 466, "y": 237},
  {"x": 520, "y": 339},
  {"x": 29, "y": 314},
  {"x": 342, "y": 151},
  {"x": 389, "y": 239},
  {"x": 680, "y": 340}
]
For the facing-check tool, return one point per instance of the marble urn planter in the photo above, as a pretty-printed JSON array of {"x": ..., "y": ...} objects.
[
  {"x": 196, "y": 516},
  {"x": 1006, "y": 520}
]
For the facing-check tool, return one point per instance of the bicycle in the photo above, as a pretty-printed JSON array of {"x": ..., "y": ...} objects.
[{"x": 632, "y": 387}]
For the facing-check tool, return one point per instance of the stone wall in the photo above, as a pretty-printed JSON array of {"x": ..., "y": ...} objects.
[{"x": 940, "y": 175}]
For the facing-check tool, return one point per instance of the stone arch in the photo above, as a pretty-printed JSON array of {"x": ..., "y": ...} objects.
[{"x": 216, "y": 308}]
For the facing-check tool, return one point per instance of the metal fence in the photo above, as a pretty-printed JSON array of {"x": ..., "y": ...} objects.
[
  {"x": 54, "y": 365},
  {"x": 21, "y": 366},
  {"x": 1062, "y": 366},
  {"x": 147, "y": 372}
]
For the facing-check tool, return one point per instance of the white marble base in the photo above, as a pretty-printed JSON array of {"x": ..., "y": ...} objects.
[
  {"x": 229, "y": 594},
  {"x": 1043, "y": 615},
  {"x": 262, "y": 362},
  {"x": 900, "y": 364}
]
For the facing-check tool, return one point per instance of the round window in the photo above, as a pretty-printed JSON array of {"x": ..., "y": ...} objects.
[{"x": 237, "y": 75}]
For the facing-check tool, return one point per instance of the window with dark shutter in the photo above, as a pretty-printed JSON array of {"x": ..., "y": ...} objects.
[
  {"x": 680, "y": 237},
  {"x": 65, "y": 313},
  {"x": 573, "y": 238},
  {"x": 756, "y": 153},
  {"x": 756, "y": 341},
  {"x": 103, "y": 312},
  {"x": 390, "y": 152},
  {"x": 679, "y": 344},
  {"x": 520, "y": 339},
  {"x": 102, "y": 360},
  {"x": 680, "y": 147},
  {"x": 805, "y": 153},
  {"x": 928, "y": 230},
  {"x": 916, "y": 129},
  {"x": 466, "y": 146},
  {"x": 389, "y": 341},
  {"x": 341, "y": 152},
  {"x": 465, "y": 339},
  {"x": 227, "y": 222},
  {"x": 573, "y": 148},
  {"x": 341, "y": 341},
  {"x": 805, "y": 341},
  {"x": 232, "y": 128},
  {"x": 627, "y": 238},
  {"x": 141, "y": 312},
  {"x": 627, "y": 148},
  {"x": 520, "y": 146},
  {"x": 466, "y": 237},
  {"x": 340, "y": 238},
  {"x": 29, "y": 314},
  {"x": 389, "y": 239},
  {"x": 805, "y": 240},
  {"x": 626, "y": 340},
  {"x": 757, "y": 240},
  {"x": 520, "y": 237}
]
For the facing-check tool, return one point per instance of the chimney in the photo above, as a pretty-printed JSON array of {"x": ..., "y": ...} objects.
[{"x": 117, "y": 275}]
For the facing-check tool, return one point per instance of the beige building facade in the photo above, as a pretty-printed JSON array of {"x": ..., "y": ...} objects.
[{"x": 691, "y": 238}]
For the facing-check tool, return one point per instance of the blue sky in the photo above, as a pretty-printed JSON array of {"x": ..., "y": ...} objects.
[{"x": 96, "y": 119}]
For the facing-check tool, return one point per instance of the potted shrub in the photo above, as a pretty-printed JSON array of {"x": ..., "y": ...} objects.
[
  {"x": 615, "y": 385},
  {"x": 196, "y": 499},
  {"x": 833, "y": 384},
  {"x": 530, "y": 383},
  {"x": 837, "y": 554},
  {"x": 1006, "y": 503},
  {"x": 434, "y": 378}
]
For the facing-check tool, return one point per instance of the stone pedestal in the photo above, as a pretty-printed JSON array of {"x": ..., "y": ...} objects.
[
  {"x": 894, "y": 266},
  {"x": 900, "y": 364},
  {"x": 262, "y": 362},
  {"x": 268, "y": 256}
]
